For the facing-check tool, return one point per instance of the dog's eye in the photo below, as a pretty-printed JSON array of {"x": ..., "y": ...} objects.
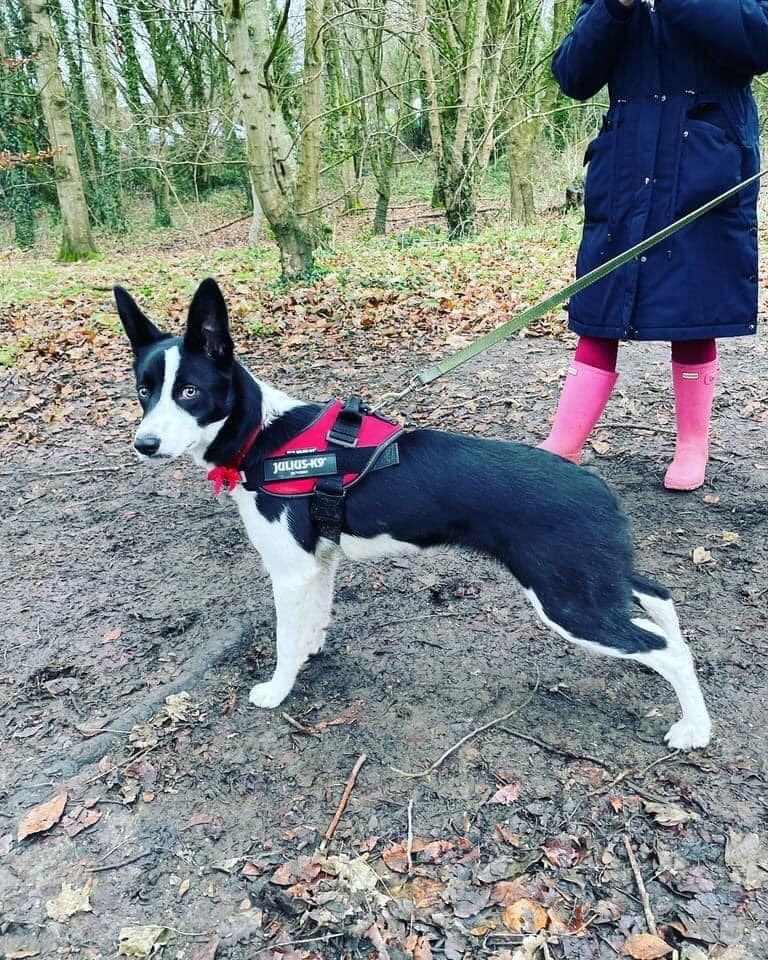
[
  {"x": 143, "y": 392},
  {"x": 189, "y": 392}
]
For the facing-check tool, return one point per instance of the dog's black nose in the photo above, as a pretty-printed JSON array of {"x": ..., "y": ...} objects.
[{"x": 147, "y": 445}]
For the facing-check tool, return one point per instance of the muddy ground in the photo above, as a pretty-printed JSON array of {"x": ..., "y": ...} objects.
[{"x": 122, "y": 585}]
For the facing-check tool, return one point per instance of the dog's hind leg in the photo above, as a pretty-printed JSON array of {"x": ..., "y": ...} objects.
[
  {"x": 657, "y": 644},
  {"x": 675, "y": 663}
]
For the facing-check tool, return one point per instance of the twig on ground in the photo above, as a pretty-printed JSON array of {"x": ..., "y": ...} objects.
[
  {"x": 296, "y": 725},
  {"x": 486, "y": 726},
  {"x": 293, "y": 943},
  {"x": 409, "y": 843},
  {"x": 343, "y": 802},
  {"x": 649, "y": 917},
  {"x": 121, "y": 863},
  {"x": 553, "y": 749}
]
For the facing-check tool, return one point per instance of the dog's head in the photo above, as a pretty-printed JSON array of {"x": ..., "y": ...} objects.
[{"x": 184, "y": 384}]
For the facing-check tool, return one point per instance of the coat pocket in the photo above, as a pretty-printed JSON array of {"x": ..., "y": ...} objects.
[
  {"x": 710, "y": 163},
  {"x": 598, "y": 183}
]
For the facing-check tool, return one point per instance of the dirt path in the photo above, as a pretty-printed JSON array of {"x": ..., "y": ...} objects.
[{"x": 121, "y": 585}]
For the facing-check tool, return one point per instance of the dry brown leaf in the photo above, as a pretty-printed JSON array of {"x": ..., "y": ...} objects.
[
  {"x": 20, "y": 954},
  {"x": 507, "y": 794},
  {"x": 70, "y": 901},
  {"x": 668, "y": 814},
  {"x": 111, "y": 635},
  {"x": 74, "y": 825},
  {"x": 141, "y": 941},
  {"x": 206, "y": 951},
  {"x": 350, "y": 715},
  {"x": 701, "y": 555},
  {"x": 43, "y": 816},
  {"x": 524, "y": 916},
  {"x": 506, "y": 892},
  {"x": 747, "y": 858},
  {"x": 645, "y": 946}
]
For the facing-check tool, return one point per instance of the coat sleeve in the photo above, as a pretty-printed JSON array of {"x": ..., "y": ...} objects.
[
  {"x": 584, "y": 61},
  {"x": 733, "y": 32}
]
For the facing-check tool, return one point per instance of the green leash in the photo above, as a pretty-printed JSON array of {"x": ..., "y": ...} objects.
[{"x": 430, "y": 374}]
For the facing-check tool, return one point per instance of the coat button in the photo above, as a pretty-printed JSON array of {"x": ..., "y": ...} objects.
[
  {"x": 685, "y": 133},
  {"x": 647, "y": 181},
  {"x": 643, "y": 259}
]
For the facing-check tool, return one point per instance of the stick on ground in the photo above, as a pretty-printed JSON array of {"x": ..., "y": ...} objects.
[
  {"x": 649, "y": 917},
  {"x": 343, "y": 802}
]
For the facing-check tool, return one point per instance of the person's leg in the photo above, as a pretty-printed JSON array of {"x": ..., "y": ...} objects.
[
  {"x": 588, "y": 385},
  {"x": 694, "y": 375}
]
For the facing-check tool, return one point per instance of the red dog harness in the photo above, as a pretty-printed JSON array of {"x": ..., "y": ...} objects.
[{"x": 336, "y": 451}]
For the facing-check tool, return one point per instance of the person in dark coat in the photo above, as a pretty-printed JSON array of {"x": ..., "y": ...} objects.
[{"x": 681, "y": 128}]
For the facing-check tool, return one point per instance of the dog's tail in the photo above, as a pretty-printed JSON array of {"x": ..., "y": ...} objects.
[{"x": 651, "y": 588}]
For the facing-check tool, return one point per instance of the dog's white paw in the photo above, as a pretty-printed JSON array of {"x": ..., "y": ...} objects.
[
  {"x": 687, "y": 735},
  {"x": 269, "y": 694},
  {"x": 316, "y": 643}
]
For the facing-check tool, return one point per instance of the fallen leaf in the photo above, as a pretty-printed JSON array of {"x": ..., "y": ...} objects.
[
  {"x": 141, "y": 941},
  {"x": 43, "y": 816},
  {"x": 566, "y": 853},
  {"x": 730, "y": 537},
  {"x": 395, "y": 855},
  {"x": 74, "y": 825},
  {"x": 177, "y": 706},
  {"x": 111, "y": 635},
  {"x": 506, "y": 892},
  {"x": 617, "y": 803},
  {"x": 206, "y": 951},
  {"x": 502, "y": 832},
  {"x": 20, "y": 954},
  {"x": 61, "y": 685},
  {"x": 668, "y": 814},
  {"x": 701, "y": 555},
  {"x": 645, "y": 946},
  {"x": 350, "y": 715},
  {"x": 184, "y": 886},
  {"x": 524, "y": 916},
  {"x": 711, "y": 499},
  {"x": 70, "y": 901},
  {"x": 506, "y": 794},
  {"x": 747, "y": 857}
]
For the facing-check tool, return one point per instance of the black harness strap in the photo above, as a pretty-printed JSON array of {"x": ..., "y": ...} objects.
[{"x": 327, "y": 507}]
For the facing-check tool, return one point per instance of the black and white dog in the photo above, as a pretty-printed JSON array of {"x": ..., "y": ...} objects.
[{"x": 555, "y": 526}]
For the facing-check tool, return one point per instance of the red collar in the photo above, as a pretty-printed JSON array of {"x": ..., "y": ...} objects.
[{"x": 227, "y": 476}]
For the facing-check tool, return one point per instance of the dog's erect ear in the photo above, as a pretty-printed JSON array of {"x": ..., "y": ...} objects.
[
  {"x": 141, "y": 331},
  {"x": 208, "y": 324}
]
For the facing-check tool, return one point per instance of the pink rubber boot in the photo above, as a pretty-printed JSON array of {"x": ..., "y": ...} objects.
[
  {"x": 585, "y": 393},
  {"x": 694, "y": 386}
]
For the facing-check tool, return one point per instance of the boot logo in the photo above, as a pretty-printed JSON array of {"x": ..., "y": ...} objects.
[{"x": 692, "y": 375}]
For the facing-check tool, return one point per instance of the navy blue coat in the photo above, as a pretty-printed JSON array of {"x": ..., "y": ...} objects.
[{"x": 681, "y": 128}]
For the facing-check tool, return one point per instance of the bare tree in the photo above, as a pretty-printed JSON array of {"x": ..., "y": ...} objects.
[{"x": 77, "y": 240}]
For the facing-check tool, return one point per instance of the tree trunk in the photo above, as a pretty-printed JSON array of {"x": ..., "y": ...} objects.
[
  {"x": 521, "y": 148},
  {"x": 310, "y": 138},
  {"x": 269, "y": 148},
  {"x": 254, "y": 233},
  {"x": 112, "y": 188},
  {"x": 77, "y": 240}
]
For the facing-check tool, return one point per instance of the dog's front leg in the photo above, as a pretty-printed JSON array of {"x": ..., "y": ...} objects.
[{"x": 294, "y": 628}]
